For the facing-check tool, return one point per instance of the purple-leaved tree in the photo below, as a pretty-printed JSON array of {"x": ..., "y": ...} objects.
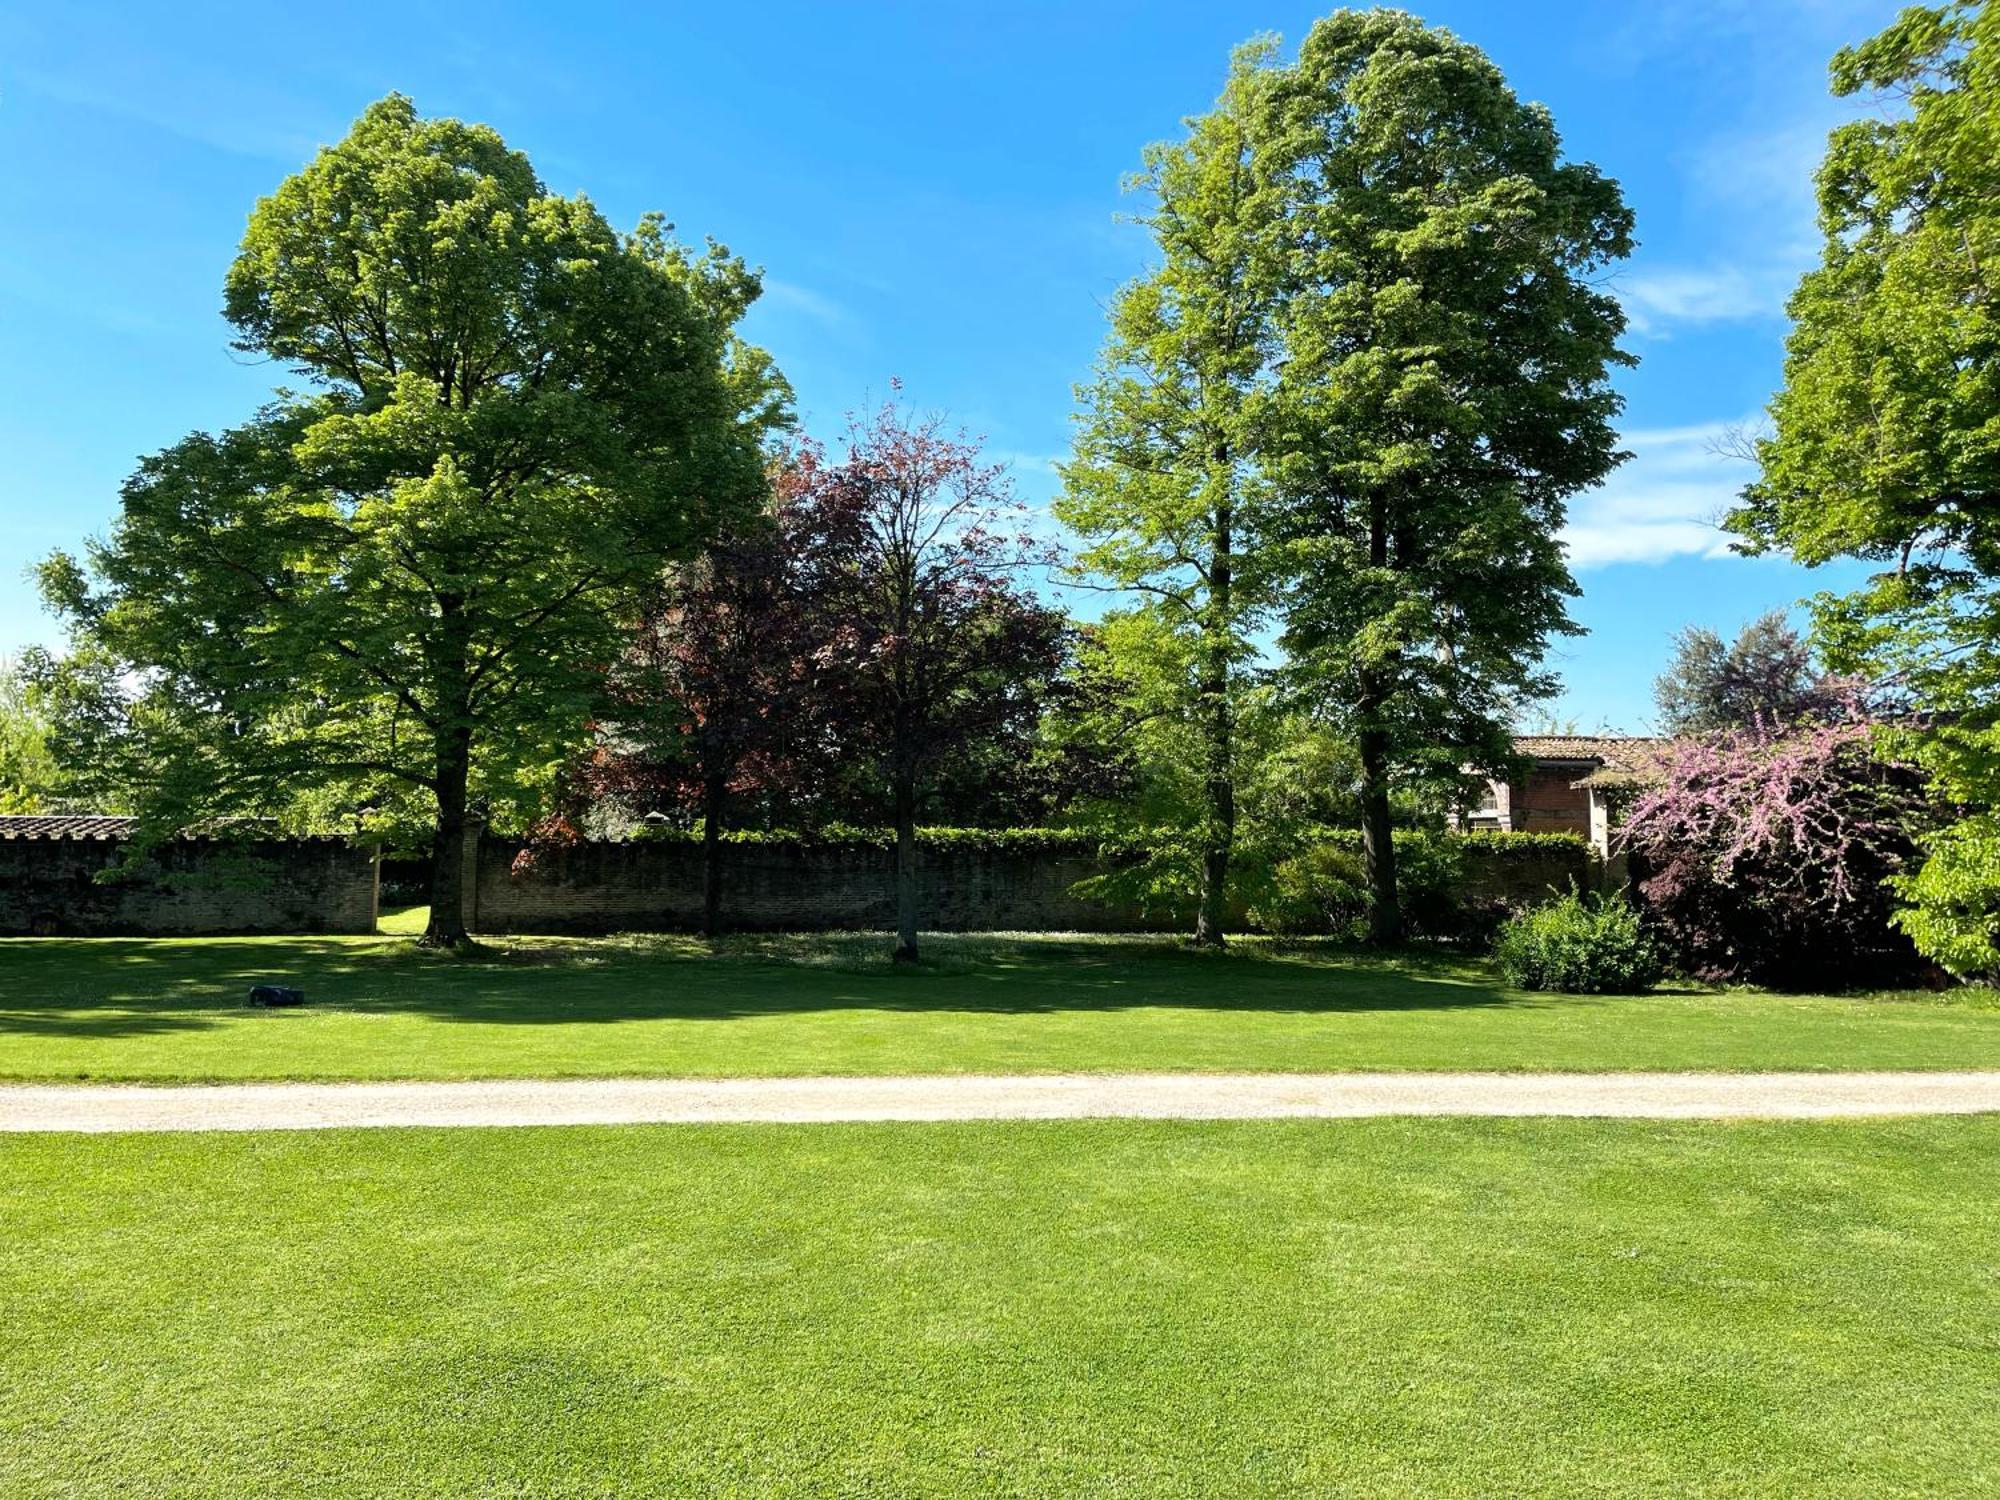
[{"x": 1761, "y": 852}]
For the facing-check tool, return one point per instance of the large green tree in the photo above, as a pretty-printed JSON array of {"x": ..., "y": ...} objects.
[
  {"x": 1886, "y": 436},
  {"x": 1164, "y": 457},
  {"x": 1766, "y": 678},
  {"x": 1442, "y": 350},
  {"x": 412, "y": 572},
  {"x": 27, "y": 772}
]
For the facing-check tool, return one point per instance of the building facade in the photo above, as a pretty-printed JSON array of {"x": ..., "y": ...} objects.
[{"x": 1566, "y": 785}]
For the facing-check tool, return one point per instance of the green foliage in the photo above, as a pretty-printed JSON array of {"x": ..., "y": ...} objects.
[
  {"x": 1954, "y": 896},
  {"x": 1495, "y": 845},
  {"x": 1157, "y": 483},
  {"x": 27, "y": 770},
  {"x": 1764, "y": 678},
  {"x": 1354, "y": 395},
  {"x": 1324, "y": 888},
  {"x": 1444, "y": 348},
  {"x": 1886, "y": 441},
  {"x": 1580, "y": 946},
  {"x": 404, "y": 580},
  {"x": 1023, "y": 840}
]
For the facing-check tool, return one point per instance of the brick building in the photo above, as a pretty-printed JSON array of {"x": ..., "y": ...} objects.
[{"x": 1566, "y": 786}]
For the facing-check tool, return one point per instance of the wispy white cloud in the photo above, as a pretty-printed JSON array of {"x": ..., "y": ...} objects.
[
  {"x": 822, "y": 309},
  {"x": 1755, "y": 191},
  {"x": 1664, "y": 502},
  {"x": 224, "y": 115},
  {"x": 1024, "y": 463},
  {"x": 1657, "y": 301}
]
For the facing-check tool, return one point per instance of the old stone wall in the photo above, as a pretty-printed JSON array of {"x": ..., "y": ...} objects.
[
  {"x": 48, "y": 887},
  {"x": 656, "y": 885},
  {"x": 1520, "y": 879}
]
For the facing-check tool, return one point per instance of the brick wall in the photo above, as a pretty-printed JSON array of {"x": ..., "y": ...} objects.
[
  {"x": 189, "y": 886},
  {"x": 1548, "y": 801}
]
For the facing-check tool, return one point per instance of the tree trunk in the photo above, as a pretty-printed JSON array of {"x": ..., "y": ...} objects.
[
  {"x": 1378, "y": 847},
  {"x": 1219, "y": 831},
  {"x": 1208, "y": 921},
  {"x": 454, "y": 765},
  {"x": 906, "y": 867},
  {"x": 714, "y": 793}
]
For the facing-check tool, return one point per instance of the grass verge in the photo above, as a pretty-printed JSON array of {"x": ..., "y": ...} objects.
[
  {"x": 173, "y": 1011},
  {"x": 1160, "y": 1309}
]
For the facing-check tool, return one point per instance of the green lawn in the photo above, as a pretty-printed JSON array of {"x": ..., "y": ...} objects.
[
  {"x": 1150, "y": 1309},
  {"x": 380, "y": 1008}
]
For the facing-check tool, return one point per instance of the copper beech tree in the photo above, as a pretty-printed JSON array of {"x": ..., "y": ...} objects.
[
  {"x": 940, "y": 642},
  {"x": 872, "y": 636},
  {"x": 729, "y": 685}
]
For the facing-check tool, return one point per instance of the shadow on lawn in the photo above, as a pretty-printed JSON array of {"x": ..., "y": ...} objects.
[{"x": 120, "y": 987}]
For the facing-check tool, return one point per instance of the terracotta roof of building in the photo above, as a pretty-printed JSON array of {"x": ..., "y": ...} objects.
[
  {"x": 66, "y": 826},
  {"x": 1619, "y": 751}
]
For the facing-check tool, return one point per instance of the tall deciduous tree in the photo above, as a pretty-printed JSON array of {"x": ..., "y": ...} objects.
[
  {"x": 27, "y": 772},
  {"x": 942, "y": 643},
  {"x": 417, "y": 569},
  {"x": 730, "y": 683},
  {"x": 1440, "y": 391},
  {"x": 1164, "y": 453},
  {"x": 1886, "y": 441},
  {"x": 1764, "y": 679}
]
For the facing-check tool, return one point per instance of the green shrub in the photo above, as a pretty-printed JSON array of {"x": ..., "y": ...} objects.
[
  {"x": 1579, "y": 946},
  {"x": 1324, "y": 888}
]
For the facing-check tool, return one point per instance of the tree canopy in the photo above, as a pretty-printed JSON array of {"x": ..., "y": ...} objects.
[
  {"x": 1352, "y": 400},
  {"x": 1165, "y": 451},
  {"x": 1886, "y": 435},
  {"x": 27, "y": 771},
  {"x": 410, "y": 574},
  {"x": 939, "y": 643},
  {"x": 1765, "y": 678}
]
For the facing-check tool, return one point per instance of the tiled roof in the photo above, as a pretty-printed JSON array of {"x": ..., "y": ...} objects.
[
  {"x": 66, "y": 826},
  {"x": 106, "y": 828},
  {"x": 1621, "y": 751}
]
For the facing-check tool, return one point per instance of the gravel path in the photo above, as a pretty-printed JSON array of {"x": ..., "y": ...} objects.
[{"x": 1174, "y": 1096}]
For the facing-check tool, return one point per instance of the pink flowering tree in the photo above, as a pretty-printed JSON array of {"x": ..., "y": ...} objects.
[{"x": 1761, "y": 853}]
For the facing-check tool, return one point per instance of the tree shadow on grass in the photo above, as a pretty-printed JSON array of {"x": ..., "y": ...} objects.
[{"x": 131, "y": 987}]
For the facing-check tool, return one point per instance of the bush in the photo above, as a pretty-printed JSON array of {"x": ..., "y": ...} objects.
[
  {"x": 1764, "y": 855},
  {"x": 1324, "y": 888},
  {"x": 1578, "y": 946}
]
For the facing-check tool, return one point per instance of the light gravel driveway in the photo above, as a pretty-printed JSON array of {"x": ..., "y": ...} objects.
[{"x": 1157, "y": 1096}]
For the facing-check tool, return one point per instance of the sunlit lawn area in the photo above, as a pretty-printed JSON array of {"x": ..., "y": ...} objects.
[
  {"x": 380, "y": 1008},
  {"x": 1156, "y": 1309}
]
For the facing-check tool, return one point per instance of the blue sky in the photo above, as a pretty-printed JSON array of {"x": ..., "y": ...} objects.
[{"x": 932, "y": 190}]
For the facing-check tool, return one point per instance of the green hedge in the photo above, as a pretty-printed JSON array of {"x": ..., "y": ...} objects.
[
  {"x": 836, "y": 835},
  {"x": 1079, "y": 842},
  {"x": 1504, "y": 845}
]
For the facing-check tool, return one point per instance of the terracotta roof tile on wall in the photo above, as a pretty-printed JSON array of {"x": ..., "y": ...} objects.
[{"x": 66, "y": 826}]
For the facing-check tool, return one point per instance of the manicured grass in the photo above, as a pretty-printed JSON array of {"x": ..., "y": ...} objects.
[
  {"x": 381, "y": 1008},
  {"x": 1158, "y": 1309}
]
